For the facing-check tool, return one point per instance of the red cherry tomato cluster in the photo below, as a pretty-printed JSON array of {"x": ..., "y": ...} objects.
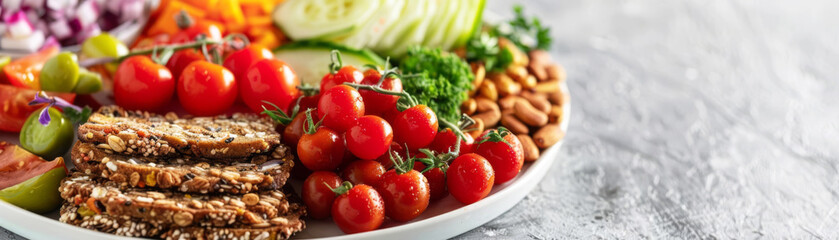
[
  {"x": 202, "y": 87},
  {"x": 371, "y": 162}
]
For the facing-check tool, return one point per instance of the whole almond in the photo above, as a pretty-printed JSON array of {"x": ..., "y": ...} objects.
[
  {"x": 488, "y": 90},
  {"x": 480, "y": 73},
  {"x": 517, "y": 73},
  {"x": 548, "y": 136},
  {"x": 531, "y": 152},
  {"x": 514, "y": 125},
  {"x": 551, "y": 86},
  {"x": 469, "y": 106},
  {"x": 490, "y": 118},
  {"x": 539, "y": 101},
  {"x": 529, "y": 82},
  {"x": 555, "y": 115},
  {"x": 556, "y": 72},
  {"x": 530, "y": 115},
  {"x": 507, "y": 102},
  {"x": 477, "y": 128}
]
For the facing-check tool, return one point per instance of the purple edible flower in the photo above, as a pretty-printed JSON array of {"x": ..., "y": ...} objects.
[{"x": 41, "y": 98}]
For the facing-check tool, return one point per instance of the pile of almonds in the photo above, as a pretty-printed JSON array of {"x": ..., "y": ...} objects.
[{"x": 525, "y": 98}]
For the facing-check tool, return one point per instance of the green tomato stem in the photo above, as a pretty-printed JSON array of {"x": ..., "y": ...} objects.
[
  {"x": 174, "y": 47},
  {"x": 411, "y": 100},
  {"x": 342, "y": 189}
]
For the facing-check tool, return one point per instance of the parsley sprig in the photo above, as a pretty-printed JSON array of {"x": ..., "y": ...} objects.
[{"x": 526, "y": 34}]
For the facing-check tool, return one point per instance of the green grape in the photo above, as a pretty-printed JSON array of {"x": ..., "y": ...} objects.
[
  {"x": 89, "y": 82},
  {"x": 60, "y": 73},
  {"x": 50, "y": 141},
  {"x": 104, "y": 45}
]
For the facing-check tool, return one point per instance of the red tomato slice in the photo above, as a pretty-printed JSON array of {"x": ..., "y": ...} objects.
[
  {"x": 18, "y": 165},
  {"x": 14, "y": 103},
  {"x": 23, "y": 72}
]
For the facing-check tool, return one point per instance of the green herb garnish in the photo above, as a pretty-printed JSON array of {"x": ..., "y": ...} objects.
[
  {"x": 527, "y": 35},
  {"x": 484, "y": 48},
  {"x": 77, "y": 117},
  {"x": 438, "y": 79}
]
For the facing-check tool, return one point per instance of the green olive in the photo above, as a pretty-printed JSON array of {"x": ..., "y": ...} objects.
[
  {"x": 89, "y": 82},
  {"x": 104, "y": 45},
  {"x": 38, "y": 194},
  {"x": 60, "y": 73},
  {"x": 50, "y": 141},
  {"x": 5, "y": 60}
]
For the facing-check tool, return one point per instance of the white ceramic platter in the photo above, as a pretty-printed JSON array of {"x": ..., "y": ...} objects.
[{"x": 443, "y": 219}]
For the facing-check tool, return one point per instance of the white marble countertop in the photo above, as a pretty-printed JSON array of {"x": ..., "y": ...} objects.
[{"x": 692, "y": 119}]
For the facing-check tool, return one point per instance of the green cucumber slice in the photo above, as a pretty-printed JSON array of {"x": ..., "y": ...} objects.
[
  {"x": 438, "y": 29},
  {"x": 476, "y": 15},
  {"x": 417, "y": 35},
  {"x": 310, "y": 59},
  {"x": 371, "y": 31},
  {"x": 305, "y": 19}
]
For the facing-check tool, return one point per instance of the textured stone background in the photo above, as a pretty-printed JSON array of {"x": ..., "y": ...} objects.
[{"x": 691, "y": 119}]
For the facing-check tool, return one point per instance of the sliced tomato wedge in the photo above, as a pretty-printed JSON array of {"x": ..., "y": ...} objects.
[
  {"x": 24, "y": 71},
  {"x": 29, "y": 181},
  {"x": 14, "y": 106},
  {"x": 18, "y": 165}
]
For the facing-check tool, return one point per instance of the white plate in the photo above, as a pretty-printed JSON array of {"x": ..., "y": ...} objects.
[{"x": 443, "y": 219}]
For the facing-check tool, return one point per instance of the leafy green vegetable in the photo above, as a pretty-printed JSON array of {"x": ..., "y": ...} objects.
[
  {"x": 527, "y": 35},
  {"x": 440, "y": 80},
  {"x": 77, "y": 117},
  {"x": 484, "y": 48}
]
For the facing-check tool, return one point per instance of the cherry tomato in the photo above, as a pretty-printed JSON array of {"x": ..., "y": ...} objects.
[
  {"x": 445, "y": 140},
  {"x": 347, "y": 74},
  {"x": 294, "y": 130},
  {"x": 141, "y": 84},
  {"x": 181, "y": 59},
  {"x": 397, "y": 150},
  {"x": 318, "y": 195},
  {"x": 360, "y": 209},
  {"x": 369, "y": 138},
  {"x": 16, "y": 108},
  {"x": 309, "y": 102},
  {"x": 379, "y": 103},
  {"x": 323, "y": 150},
  {"x": 340, "y": 107},
  {"x": 206, "y": 89},
  {"x": 24, "y": 72},
  {"x": 416, "y": 126},
  {"x": 209, "y": 30},
  {"x": 363, "y": 172},
  {"x": 506, "y": 159},
  {"x": 269, "y": 80},
  {"x": 239, "y": 61},
  {"x": 390, "y": 115},
  {"x": 406, "y": 195},
  {"x": 470, "y": 178},
  {"x": 436, "y": 181}
]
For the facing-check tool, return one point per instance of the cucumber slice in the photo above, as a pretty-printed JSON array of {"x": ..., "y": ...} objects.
[
  {"x": 439, "y": 24},
  {"x": 458, "y": 25},
  {"x": 417, "y": 33},
  {"x": 371, "y": 31},
  {"x": 310, "y": 59},
  {"x": 305, "y": 19},
  {"x": 477, "y": 7},
  {"x": 410, "y": 17}
]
